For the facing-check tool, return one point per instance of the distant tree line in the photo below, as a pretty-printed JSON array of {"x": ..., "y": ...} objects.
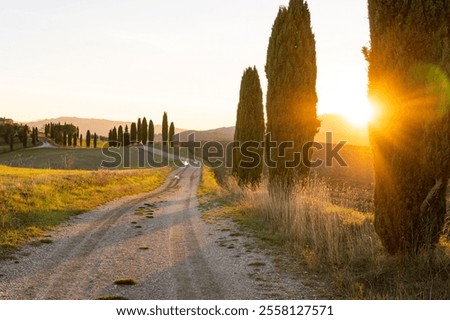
[
  {"x": 12, "y": 133},
  {"x": 69, "y": 135},
  {"x": 140, "y": 132}
]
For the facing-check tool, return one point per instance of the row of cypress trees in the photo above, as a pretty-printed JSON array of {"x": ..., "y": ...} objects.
[
  {"x": 141, "y": 132},
  {"x": 291, "y": 100},
  {"x": 68, "y": 134},
  {"x": 12, "y": 132},
  {"x": 409, "y": 81}
]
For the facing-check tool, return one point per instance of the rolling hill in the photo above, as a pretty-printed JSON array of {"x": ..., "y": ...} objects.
[
  {"x": 100, "y": 126},
  {"x": 342, "y": 131}
]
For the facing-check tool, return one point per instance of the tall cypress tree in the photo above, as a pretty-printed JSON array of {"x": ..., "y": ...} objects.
[
  {"x": 409, "y": 74},
  {"x": 23, "y": 135},
  {"x": 165, "y": 129},
  {"x": 69, "y": 136},
  {"x": 95, "y": 139},
  {"x": 120, "y": 136},
  {"x": 249, "y": 129},
  {"x": 171, "y": 132},
  {"x": 133, "y": 132},
  {"x": 64, "y": 141},
  {"x": 75, "y": 139},
  {"x": 291, "y": 96},
  {"x": 114, "y": 136},
  {"x": 139, "y": 130},
  {"x": 88, "y": 139},
  {"x": 81, "y": 140},
  {"x": 151, "y": 132},
  {"x": 144, "y": 133},
  {"x": 126, "y": 137}
]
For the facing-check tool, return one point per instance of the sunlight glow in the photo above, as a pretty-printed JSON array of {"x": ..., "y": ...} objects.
[{"x": 359, "y": 113}]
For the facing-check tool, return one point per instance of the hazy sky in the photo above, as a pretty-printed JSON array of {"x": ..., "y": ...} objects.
[{"x": 120, "y": 59}]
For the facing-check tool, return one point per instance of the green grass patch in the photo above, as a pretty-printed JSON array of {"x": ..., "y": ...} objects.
[{"x": 33, "y": 201}]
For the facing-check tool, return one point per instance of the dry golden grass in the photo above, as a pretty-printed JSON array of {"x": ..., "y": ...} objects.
[{"x": 341, "y": 244}]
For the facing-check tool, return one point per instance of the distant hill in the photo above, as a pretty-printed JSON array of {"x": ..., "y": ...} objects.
[
  {"x": 342, "y": 131},
  {"x": 100, "y": 126},
  {"x": 219, "y": 134},
  {"x": 341, "y": 128}
]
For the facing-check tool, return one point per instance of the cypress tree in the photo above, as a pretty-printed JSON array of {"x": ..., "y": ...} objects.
[
  {"x": 81, "y": 140},
  {"x": 88, "y": 139},
  {"x": 133, "y": 132},
  {"x": 171, "y": 132},
  {"x": 120, "y": 136},
  {"x": 144, "y": 133},
  {"x": 409, "y": 74},
  {"x": 126, "y": 137},
  {"x": 64, "y": 141},
  {"x": 139, "y": 130},
  {"x": 114, "y": 136},
  {"x": 95, "y": 139},
  {"x": 249, "y": 128},
  {"x": 69, "y": 137},
  {"x": 75, "y": 139},
  {"x": 23, "y": 136},
  {"x": 291, "y": 95},
  {"x": 165, "y": 129},
  {"x": 151, "y": 132},
  {"x": 36, "y": 136},
  {"x": 11, "y": 139}
]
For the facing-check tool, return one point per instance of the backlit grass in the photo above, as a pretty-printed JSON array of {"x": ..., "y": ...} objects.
[{"x": 337, "y": 243}]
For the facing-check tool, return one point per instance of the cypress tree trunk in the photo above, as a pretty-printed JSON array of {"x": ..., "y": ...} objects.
[
  {"x": 291, "y": 97},
  {"x": 409, "y": 84},
  {"x": 249, "y": 130}
]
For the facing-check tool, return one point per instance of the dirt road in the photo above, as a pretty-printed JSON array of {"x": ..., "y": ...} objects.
[{"x": 157, "y": 239}]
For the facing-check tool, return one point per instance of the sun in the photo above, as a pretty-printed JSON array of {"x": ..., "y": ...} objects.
[{"x": 359, "y": 113}]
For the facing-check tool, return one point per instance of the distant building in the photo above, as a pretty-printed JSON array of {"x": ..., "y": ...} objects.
[{"x": 4, "y": 121}]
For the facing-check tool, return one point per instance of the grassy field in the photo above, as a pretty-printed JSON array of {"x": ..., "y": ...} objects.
[
  {"x": 35, "y": 200},
  {"x": 70, "y": 158}
]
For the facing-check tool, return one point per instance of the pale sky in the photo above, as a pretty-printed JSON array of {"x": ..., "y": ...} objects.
[{"x": 123, "y": 59}]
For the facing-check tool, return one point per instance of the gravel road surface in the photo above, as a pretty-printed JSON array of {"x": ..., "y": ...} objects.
[{"x": 157, "y": 239}]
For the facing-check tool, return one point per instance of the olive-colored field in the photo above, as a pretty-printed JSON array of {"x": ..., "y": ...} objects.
[{"x": 79, "y": 158}]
